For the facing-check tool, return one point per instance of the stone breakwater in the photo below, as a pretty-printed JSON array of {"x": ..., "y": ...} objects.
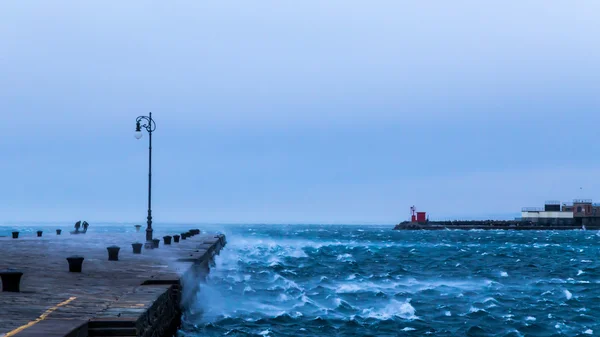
[
  {"x": 137, "y": 295},
  {"x": 485, "y": 224}
]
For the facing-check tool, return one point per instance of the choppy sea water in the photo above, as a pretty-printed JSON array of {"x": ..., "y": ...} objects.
[{"x": 323, "y": 280}]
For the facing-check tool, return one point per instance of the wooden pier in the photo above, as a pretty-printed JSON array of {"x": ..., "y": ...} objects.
[{"x": 138, "y": 295}]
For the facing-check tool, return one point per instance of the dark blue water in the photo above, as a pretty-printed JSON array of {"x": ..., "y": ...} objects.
[{"x": 373, "y": 281}]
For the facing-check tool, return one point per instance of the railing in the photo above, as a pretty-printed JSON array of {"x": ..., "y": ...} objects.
[
  {"x": 582, "y": 201},
  {"x": 532, "y": 209}
]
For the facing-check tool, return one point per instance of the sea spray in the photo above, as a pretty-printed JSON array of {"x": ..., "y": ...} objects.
[{"x": 310, "y": 281}]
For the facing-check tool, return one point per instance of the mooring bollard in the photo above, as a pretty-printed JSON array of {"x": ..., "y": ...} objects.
[
  {"x": 183, "y": 236},
  {"x": 195, "y": 231},
  {"x": 15, "y": 235},
  {"x": 113, "y": 253},
  {"x": 137, "y": 248},
  {"x": 75, "y": 263},
  {"x": 137, "y": 228},
  {"x": 58, "y": 231},
  {"x": 167, "y": 239},
  {"x": 155, "y": 243},
  {"x": 11, "y": 280},
  {"x": 176, "y": 238},
  {"x": 190, "y": 234},
  {"x": 39, "y": 233}
]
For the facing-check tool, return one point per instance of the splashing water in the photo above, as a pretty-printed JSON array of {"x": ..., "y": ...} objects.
[{"x": 370, "y": 280}]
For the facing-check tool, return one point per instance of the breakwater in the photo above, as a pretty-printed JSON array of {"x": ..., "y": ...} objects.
[
  {"x": 124, "y": 295},
  {"x": 487, "y": 224}
]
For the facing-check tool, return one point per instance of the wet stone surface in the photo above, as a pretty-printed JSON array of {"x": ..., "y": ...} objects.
[{"x": 103, "y": 288}]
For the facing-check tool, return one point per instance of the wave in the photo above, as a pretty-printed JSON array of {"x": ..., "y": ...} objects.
[
  {"x": 394, "y": 309},
  {"x": 370, "y": 281}
]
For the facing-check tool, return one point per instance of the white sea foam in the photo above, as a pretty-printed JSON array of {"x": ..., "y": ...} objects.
[
  {"x": 504, "y": 274},
  {"x": 408, "y": 329},
  {"x": 530, "y": 318},
  {"x": 351, "y": 277},
  {"x": 394, "y": 308},
  {"x": 579, "y": 272},
  {"x": 297, "y": 253},
  {"x": 589, "y": 332},
  {"x": 348, "y": 288},
  {"x": 345, "y": 258},
  {"x": 568, "y": 294},
  {"x": 448, "y": 313}
]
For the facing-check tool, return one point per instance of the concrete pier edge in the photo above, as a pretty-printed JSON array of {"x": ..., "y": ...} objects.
[{"x": 151, "y": 309}]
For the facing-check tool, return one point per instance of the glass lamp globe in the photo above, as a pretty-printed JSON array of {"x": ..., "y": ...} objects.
[{"x": 138, "y": 134}]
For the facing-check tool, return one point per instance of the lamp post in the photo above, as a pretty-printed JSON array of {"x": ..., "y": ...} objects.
[{"x": 147, "y": 123}]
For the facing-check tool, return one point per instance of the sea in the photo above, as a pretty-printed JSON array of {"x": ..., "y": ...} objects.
[{"x": 369, "y": 280}]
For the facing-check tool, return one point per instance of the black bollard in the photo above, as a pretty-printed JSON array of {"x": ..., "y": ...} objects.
[
  {"x": 15, "y": 235},
  {"x": 195, "y": 231},
  {"x": 137, "y": 228},
  {"x": 155, "y": 243},
  {"x": 113, "y": 253},
  {"x": 176, "y": 238},
  {"x": 39, "y": 233},
  {"x": 190, "y": 234},
  {"x": 58, "y": 231},
  {"x": 167, "y": 239},
  {"x": 75, "y": 263},
  {"x": 137, "y": 248},
  {"x": 183, "y": 236},
  {"x": 11, "y": 280}
]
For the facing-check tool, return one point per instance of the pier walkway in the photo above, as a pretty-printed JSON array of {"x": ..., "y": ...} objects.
[{"x": 138, "y": 295}]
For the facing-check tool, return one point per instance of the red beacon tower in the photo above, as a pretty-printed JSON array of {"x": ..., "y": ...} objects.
[{"x": 420, "y": 217}]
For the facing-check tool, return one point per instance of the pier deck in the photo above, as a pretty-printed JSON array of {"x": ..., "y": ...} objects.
[{"x": 130, "y": 297}]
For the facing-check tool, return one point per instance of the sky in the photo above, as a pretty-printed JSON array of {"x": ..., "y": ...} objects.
[{"x": 297, "y": 111}]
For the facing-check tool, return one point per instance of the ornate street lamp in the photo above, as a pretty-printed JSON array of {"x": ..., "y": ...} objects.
[{"x": 150, "y": 126}]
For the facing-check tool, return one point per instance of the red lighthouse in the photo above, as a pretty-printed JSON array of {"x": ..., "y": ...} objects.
[{"x": 420, "y": 217}]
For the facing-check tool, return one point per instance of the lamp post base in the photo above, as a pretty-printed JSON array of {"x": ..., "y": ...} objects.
[{"x": 149, "y": 245}]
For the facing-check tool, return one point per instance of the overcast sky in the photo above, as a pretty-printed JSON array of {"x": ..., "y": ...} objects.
[{"x": 297, "y": 111}]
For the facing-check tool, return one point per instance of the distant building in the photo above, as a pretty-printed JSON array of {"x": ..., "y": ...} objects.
[{"x": 579, "y": 212}]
